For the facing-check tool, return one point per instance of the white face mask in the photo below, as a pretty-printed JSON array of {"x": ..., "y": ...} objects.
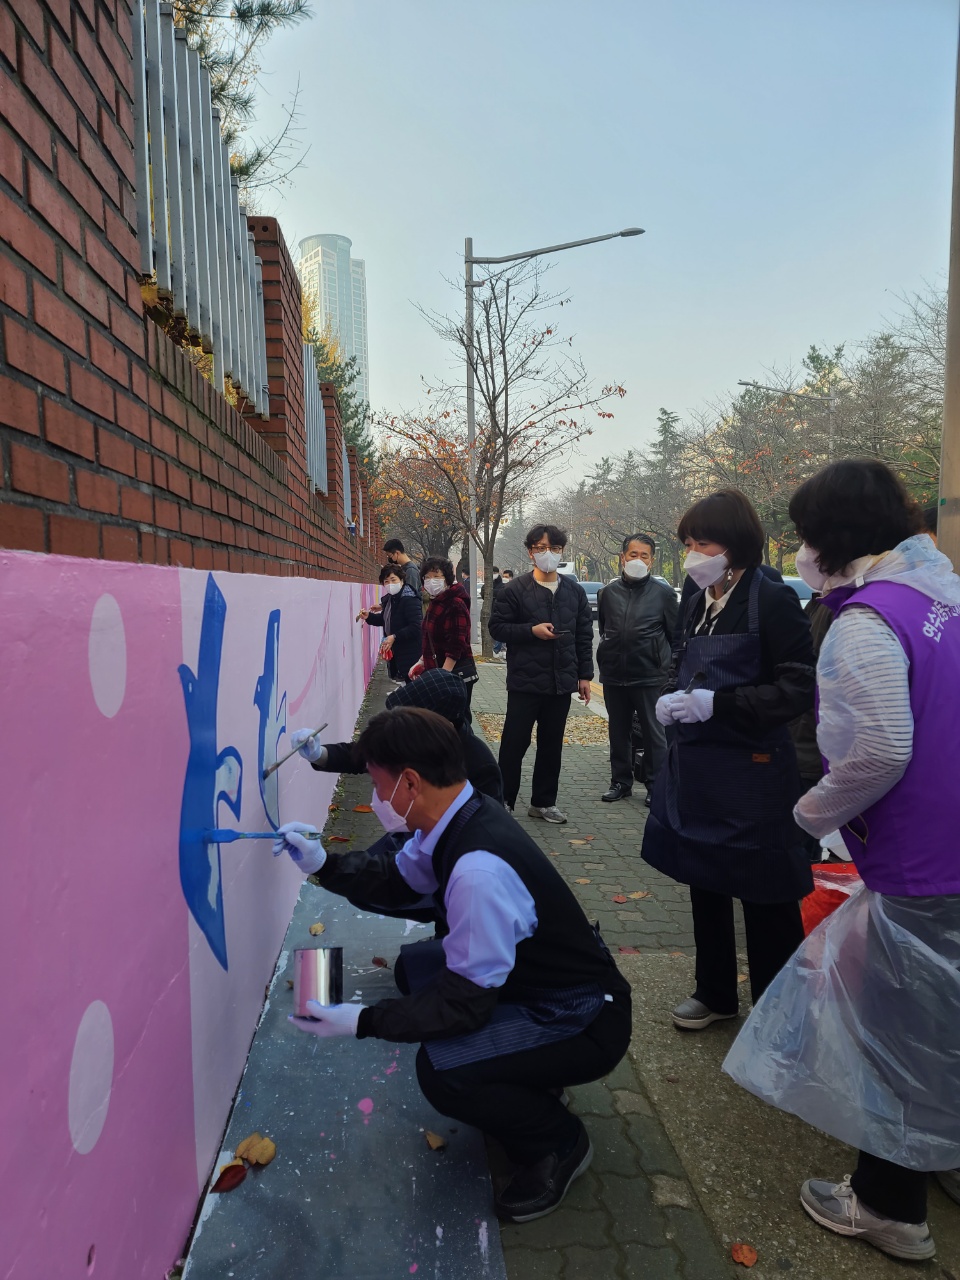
[
  {"x": 433, "y": 586},
  {"x": 394, "y": 588},
  {"x": 705, "y": 570},
  {"x": 389, "y": 818},
  {"x": 636, "y": 569},
  {"x": 808, "y": 568},
  {"x": 547, "y": 561}
]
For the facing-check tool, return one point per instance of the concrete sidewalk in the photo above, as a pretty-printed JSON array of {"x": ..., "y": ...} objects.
[{"x": 687, "y": 1163}]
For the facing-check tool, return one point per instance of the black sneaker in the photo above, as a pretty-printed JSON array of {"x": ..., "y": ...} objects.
[
  {"x": 538, "y": 1189},
  {"x": 617, "y": 792}
]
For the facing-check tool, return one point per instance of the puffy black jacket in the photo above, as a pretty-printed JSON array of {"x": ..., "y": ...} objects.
[
  {"x": 637, "y": 621},
  {"x": 544, "y": 666}
]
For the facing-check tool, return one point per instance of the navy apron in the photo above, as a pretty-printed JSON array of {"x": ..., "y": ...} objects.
[
  {"x": 721, "y": 816},
  {"x": 525, "y": 1017}
]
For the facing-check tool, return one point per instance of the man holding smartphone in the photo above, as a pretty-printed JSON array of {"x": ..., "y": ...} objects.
[{"x": 544, "y": 619}]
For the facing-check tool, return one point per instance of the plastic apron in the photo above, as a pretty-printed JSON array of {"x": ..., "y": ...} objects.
[
  {"x": 721, "y": 816},
  {"x": 859, "y": 1034}
]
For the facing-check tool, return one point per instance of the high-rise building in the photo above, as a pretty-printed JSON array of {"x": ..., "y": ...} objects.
[{"x": 338, "y": 285}]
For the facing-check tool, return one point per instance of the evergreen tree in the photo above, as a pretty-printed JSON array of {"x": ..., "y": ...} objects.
[{"x": 344, "y": 371}]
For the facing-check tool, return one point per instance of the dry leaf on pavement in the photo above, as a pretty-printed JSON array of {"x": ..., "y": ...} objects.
[
  {"x": 576, "y": 842},
  {"x": 256, "y": 1149},
  {"x": 619, "y": 897},
  {"x": 363, "y": 808},
  {"x": 317, "y": 928},
  {"x": 434, "y": 1141},
  {"x": 380, "y": 962},
  {"x": 629, "y": 951},
  {"x": 339, "y": 839},
  {"x": 643, "y": 893},
  {"x": 581, "y": 880},
  {"x": 745, "y": 1254},
  {"x": 230, "y": 1176}
]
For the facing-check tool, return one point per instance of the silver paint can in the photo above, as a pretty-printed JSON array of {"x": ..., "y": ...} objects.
[{"x": 317, "y": 975}]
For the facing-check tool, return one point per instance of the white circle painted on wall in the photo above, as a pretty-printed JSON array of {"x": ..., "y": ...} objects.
[
  {"x": 91, "y": 1077},
  {"x": 107, "y": 654}
]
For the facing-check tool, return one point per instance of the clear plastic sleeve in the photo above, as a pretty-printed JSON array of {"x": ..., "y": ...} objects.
[{"x": 859, "y": 1035}]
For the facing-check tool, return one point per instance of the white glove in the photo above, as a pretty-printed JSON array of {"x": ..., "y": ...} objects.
[
  {"x": 331, "y": 1020},
  {"x": 689, "y": 708},
  {"x": 663, "y": 709},
  {"x": 833, "y": 842},
  {"x": 310, "y": 748},
  {"x": 308, "y": 855}
]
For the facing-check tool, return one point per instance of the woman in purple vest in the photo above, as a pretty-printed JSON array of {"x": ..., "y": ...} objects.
[{"x": 860, "y": 1034}]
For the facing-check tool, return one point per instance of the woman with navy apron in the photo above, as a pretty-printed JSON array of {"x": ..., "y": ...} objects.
[
  {"x": 519, "y": 998},
  {"x": 721, "y": 817}
]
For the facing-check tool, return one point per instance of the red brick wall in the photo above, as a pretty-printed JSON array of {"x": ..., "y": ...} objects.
[{"x": 112, "y": 445}]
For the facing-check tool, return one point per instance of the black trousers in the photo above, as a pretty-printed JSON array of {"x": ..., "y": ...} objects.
[
  {"x": 508, "y": 1097},
  {"x": 622, "y": 701},
  {"x": 891, "y": 1190},
  {"x": 774, "y": 931},
  {"x": 548, "y": 711}
]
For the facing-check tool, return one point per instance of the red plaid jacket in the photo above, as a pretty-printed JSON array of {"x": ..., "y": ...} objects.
[{"x": 446, "y": 627}]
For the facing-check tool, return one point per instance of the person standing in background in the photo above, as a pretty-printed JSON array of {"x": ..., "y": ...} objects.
[
  {"x": 637, "y": 616},
  {"x": 544, "y": 619},
  {"x": 393, "y": 550},
  {"x": 445, "y": 635},
  {"x": 400, "y": 616}
]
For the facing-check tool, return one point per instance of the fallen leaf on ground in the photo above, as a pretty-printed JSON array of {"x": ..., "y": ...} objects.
[
  {"x": 317, "y": 928},
  {"x": 677, "y": 953},
  {"x": 619, "y": 897},
  {"x": 581, "y": 880},
  {"x": 741, "y": 977},
  {"x": 588, "y": 838},
  {"x": 231, "y": 1175},
  {"x": 629, "y": 951},
  {"x": 290, "y": 983},
  {"x": 339, "y": 839},
  {"x": 643, "y": 893},
  {"x": 745, "y": 1254},
  {"x": 380, "y": 962},
  {"x": 434, "y": 1141},
  {"x": 576, "y": 842},
  {"x": 554, "y": 854},
  {"x": 363, "y": 808},
  {"x": 332, "y": 808},
  {"x": 257, "y": 1149},
  {"x": 672, "y": 1079}
]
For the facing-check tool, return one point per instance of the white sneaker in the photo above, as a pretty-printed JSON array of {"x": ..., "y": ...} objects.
[
  {"x": 550, "y": 813},
  {"x": 837, "y": 1207}
]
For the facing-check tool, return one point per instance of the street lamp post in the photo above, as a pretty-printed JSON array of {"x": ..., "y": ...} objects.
[
  {"x": 830, "y": 400},
  {"x": 469, "y": 262}
]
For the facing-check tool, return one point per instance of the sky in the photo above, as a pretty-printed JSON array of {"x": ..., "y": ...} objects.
[{"x": 790, "y": 161}]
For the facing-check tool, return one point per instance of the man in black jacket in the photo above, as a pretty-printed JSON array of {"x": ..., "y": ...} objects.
[
  {"x": 544, "y": 620},
  {"x": 519, "y": 999},
  {"x": 436, "y": 690},
  {"x": 637, "y": 617}
]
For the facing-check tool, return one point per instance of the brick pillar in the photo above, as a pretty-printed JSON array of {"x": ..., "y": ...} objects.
[{"x": 333, "y": 500}]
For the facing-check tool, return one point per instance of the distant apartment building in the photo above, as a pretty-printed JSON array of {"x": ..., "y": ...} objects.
[{"x": 338, "y": 285}]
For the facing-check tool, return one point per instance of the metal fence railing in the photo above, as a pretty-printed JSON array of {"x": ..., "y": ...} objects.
[
  {"x": 316, "y": 421},
  {"x": 347, "y": 487},
  {"x": 191, "y": 226}
]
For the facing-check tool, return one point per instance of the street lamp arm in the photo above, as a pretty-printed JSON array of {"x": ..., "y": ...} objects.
[
  {"x": 554, "y": 248},
  {"x": 779, "y": 391}
]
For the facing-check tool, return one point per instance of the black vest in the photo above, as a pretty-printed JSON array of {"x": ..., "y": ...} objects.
[{"x": 564, "y": 949}]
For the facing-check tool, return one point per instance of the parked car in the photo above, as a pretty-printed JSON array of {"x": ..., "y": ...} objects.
[
  {"x": 566, "y": 568},
  {"x": 803, "y": 590},
  {"x": 591, "y": 588}
]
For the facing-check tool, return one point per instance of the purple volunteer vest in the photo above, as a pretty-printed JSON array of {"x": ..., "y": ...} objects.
[{"x": 910, "y": 839}]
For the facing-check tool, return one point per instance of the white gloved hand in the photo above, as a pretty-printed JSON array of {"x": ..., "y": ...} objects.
[
  {"x": 311, "y": 749},
  {"x": 664, "y": 707},
  {"x": 308, "y": 855},
  {"x": 690, "y": 708},
  {"x": 330, "y": 1019}
]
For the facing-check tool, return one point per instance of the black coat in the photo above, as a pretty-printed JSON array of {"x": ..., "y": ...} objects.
[
  {"x": 637, "y": 620},
  {"x": 482, "y": 768},
  {"x": 544, "y": 666},
  {"x": 404, "y": 622},
  {"x": 788, "y": 673}
]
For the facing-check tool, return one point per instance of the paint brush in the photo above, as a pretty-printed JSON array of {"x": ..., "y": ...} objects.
[
  {"x": 220, "y": 835},
  {"x": 277, "y": 763},
  {"x": 698, "y": 676}
]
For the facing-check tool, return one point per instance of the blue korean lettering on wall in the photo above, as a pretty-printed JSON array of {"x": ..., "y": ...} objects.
[
  {"x": 211, "y": 777},
  {"x": 273, "y": 719}
]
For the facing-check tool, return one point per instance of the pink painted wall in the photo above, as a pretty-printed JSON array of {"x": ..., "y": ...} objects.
[{"x": 134, "y": 959}]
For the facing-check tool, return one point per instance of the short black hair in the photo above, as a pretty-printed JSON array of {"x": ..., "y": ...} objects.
[
  {"x": 434, "y": 563},
  {"x": 414, "y": 738},
  {"x": 495, "y": 569},
  {"x": 930, "y": 517},
  {"x": 394, "y": 544},
  {"x": 853, "y": 508},
  {"x": 555, "y": 536},
  {"x": 392, "y": 571},
  {"x": 639, "y": 537},
  {"x": 727, "y": 517},
  {"x": 510, "y": 571}
]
